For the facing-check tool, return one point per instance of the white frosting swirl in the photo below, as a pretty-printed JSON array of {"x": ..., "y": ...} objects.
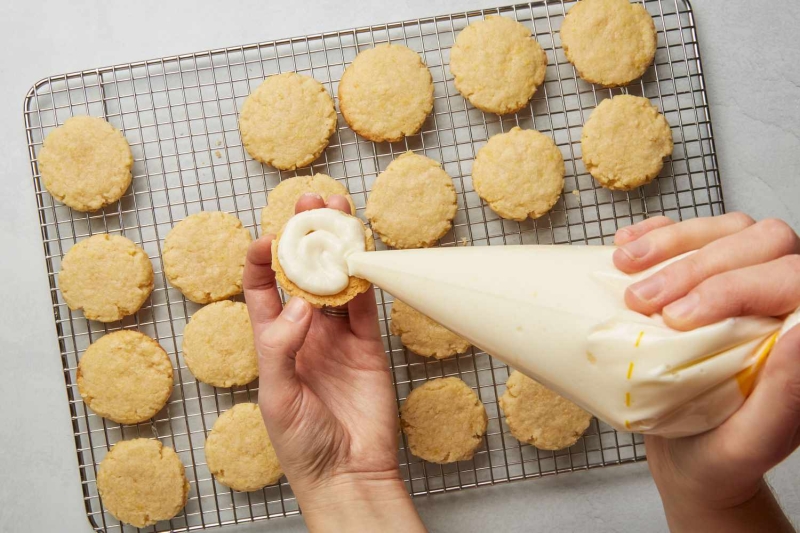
[{"x": 314, "y": 247}]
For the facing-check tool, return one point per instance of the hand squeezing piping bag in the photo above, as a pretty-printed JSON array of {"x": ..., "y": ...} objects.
[{"x": 557, "y": 314}]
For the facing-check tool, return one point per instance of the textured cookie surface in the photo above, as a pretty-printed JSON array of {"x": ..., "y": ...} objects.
[
  {"x": 444, "y": 421},
  {"x": 625, "y": 141},
  {"x": 86, "y": 163},
  {"x": 422, "y": 335},
  {"x": 610, "y": 42},
  {"x": 282, "y": 199},
  {"x": 125, "y": 376},
  {"x": 355, "y": 286},
  {"x": 497, "y": 65},
  {"x": 218, "y": 345},
  {"x": 142, "y": 482},
  {"x": 107, "y": 276},
  {"x": 287, "y": 121},
  {"x": 386, "y": 93},
  {"x": 412, "y": 203},
  {"x": 239, "y": 452},
  {"x": 520, "y": 174},
  {"x": 204, "y": 256},
  {"x": 538, "y": 416}
]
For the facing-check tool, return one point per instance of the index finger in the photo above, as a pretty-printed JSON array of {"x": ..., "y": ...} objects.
[{"x": 260, "y": 289}]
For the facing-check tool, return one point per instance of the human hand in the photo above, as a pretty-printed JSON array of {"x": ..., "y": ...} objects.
[
  {"x": 741, "y": 268},
  {"x": 326, "y": 395}
]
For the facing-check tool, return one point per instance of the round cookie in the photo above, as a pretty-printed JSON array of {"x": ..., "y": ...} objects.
[
  {"x": 520, "y": 174},
  {"x": 444, "y": 421},
  {"x": 538, "y": 416},
  {"x": 422, "y": 335},
  {"x": 497, "y": 65},
  {"x": 107, "y": 276},
  {"x": 86, "y": 163},
  {"x": 412, "y": 203},
  {"x": 204, "y": 256},
  {"x": 282, "y": 199},
  {"x": 355, "y": 286},
  {"x": 142, "y": 482},
  {"x": 287, "y": 121},
  {"x": 218, "y": 345},
  {"x": 386, "y": 93},
  {"x": 239, "y": 452},
  {"x": 610, "y": 42},
  {"x": 125, "y": 376},
  {"x": 625, "y": 141}
]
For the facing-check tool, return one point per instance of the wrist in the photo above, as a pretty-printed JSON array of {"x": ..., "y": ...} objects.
[
  {"x": 359, "y": 502},
  {"x": 754, "y": 511}
]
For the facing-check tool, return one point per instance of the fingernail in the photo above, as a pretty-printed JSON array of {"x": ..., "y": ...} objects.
[
  {"x": 647, "y": 289},
  {"x": 637, "y": 249},
  {"x": 295, "y": 310},
  {"x": 312, "y": 196},
  {"x": 683, "y": 308}
]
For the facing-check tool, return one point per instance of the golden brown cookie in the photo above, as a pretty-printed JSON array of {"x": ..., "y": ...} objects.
[
  {"x": 141, "y": 482},
  {"x": 287, "y": 121},
  {"x": 422, "y": 335},
  {"x": 386, "y": 93},
  {"x": 538, "y": 416},
  {"x": 355, "y": 287},
  {"x": 239, "y": 452},
  {"x": 204, "y": 256},
  {"x": 86, "y": 163},
  {"x": 444, "y": 421},
  {"x": 610, "y": 42},
  {"x": 106, "y": 276},
  {"x": 497, "y": 65},
  {"x": 125, "y": 376},
  {"x": 520, "y": 174},
  {"x": 625, "y": 141},
  {"x": 218, "y": 345},
  {"x": 282, "y": 199},
  {"x": 412, "y": 203}
]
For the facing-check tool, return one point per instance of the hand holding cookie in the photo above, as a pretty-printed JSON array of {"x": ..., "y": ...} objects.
[{"x": 326, "y": 395}]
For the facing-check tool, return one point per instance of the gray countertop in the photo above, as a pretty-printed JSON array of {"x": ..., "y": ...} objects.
[{"x": 751, "y": 57}]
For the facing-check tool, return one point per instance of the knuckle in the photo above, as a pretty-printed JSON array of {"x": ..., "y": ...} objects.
[
  {"x": 780, "y": 232},
  {"x": 722, "y": 293}
]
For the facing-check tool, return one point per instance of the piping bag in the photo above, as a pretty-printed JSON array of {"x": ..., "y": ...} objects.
[{"x": 557, "y": 314}]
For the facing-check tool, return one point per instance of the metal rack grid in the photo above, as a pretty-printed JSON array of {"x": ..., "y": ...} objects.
[{"x": 179, "y": 115}]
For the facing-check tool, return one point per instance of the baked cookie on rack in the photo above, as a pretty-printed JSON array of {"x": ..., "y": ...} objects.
[
  {"x": 520, "y": 174},
  {"x": 444, "y": 421},
  {"x": 610, "y": 42},
  {"x": 239, "y": 452},
  {"x": 422, "y": 335},
  {"x": 540, "y": 417},
  {"x": 412, "y": 203},
  {"x": 86, "y": 163},
  {"x": 300, "y": 273},
  {"x": 125, "y": 376},
  {"x": 497, "y": 65},
  {"x": 625, "y": 141},
  {"x": 282, "y": 199},
  {"x": 287, "y": 121},
  {"x": 218, "y": 345},
  {"x": 204, "y": 256},
  {"x": 386, "y": 93},
  {"x": 108, "y": 277},
  {"x": 142, "y": 482}
]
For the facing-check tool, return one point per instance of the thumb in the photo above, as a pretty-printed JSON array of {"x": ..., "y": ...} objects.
[
  {"x": 766, "y": 427},
  {"x": 277, "y": 347}
]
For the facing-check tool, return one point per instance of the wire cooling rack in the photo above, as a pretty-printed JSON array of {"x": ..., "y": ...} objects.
[{"x": 179, "y": 115}]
